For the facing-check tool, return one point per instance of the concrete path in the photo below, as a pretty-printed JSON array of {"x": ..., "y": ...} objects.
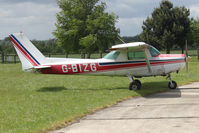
[{"x": 173, "y": 111}]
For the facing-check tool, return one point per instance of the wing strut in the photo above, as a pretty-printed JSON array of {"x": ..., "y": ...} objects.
[{"x": 147, "y": 60}]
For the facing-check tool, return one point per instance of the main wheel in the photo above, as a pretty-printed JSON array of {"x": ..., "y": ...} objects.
[
  {"x": 135, "y": 85},
  {"x": 172, "y": 85},
  {"x": 139, "y": 84}
]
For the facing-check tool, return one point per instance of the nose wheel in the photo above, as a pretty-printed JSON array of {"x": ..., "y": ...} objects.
[
  {"x": 172, "y": 84},
  {"x": 135, "y": 84}
]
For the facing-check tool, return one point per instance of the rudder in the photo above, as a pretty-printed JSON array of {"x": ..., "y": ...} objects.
[{"x": 28, "y": 54}]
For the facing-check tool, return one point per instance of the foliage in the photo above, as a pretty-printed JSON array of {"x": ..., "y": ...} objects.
[
  {"x": 45, "y": 46},
  {"x": 88, "y": 42},
  {"x": 128, "y": 39},
  {"x": 80, "y": 21},
  {"x": 168, "y": 26},
  {"x": 6, "y": 46},
  {"x": 195, "y": 30}
]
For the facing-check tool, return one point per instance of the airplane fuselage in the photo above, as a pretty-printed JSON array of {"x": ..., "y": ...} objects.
[{"x": 160, "y": 65}]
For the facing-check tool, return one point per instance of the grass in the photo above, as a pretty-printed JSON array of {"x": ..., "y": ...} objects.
[
  {"x": 190, "y": 52},
  {"x": 37, "y": 103}
]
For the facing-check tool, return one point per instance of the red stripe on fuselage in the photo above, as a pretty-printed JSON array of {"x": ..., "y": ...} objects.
[
  {"x": 23, "y": 52},
  {"x": 95, "y": 67},
  {"x": 170, "y": 55}
]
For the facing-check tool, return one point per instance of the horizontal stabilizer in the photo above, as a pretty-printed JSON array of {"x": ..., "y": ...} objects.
[{"x": 41, "y": 67}]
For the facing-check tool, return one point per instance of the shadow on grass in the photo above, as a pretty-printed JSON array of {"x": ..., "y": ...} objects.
[
  {"x": 51, "y": 89},
  {"x": 58, "y": 89},
  {"x": 147, "y": 89}
]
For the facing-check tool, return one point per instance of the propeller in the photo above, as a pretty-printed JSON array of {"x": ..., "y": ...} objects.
[{"x": 187, "y": 57}]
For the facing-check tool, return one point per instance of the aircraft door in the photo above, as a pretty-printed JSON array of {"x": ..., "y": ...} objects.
[{"x": 157, "y": 69}]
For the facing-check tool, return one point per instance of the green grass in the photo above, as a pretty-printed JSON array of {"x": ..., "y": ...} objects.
[
  {"x": 37, "y": 103},
  {"x": 190, "y": 52}
]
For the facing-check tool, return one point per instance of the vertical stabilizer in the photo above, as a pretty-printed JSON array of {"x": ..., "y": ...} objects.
[{"x": 28, "y": 54}]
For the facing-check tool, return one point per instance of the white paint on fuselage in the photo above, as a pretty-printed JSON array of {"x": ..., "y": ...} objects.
[
  {"x": 160, "y": 69},
  {"x": 142, "y": 71}
]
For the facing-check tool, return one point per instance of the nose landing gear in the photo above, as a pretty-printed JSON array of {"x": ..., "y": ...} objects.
[{"x": 172, "y": 84}]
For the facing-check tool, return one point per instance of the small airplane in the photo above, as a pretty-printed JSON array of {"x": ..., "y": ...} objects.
[{"x": 136, "y": 59}]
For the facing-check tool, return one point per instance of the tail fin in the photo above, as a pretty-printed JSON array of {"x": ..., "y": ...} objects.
[{"x": 29, "y": 55}]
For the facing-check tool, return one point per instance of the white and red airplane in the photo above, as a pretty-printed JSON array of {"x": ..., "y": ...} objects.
[{"x": 131, "y": 59}]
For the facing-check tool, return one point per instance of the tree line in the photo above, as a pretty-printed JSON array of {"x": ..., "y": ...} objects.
[
  {"x": 83, "y": 26},
  {"x": 49, "y": 46},
  {"x": 45, "y": 46}
]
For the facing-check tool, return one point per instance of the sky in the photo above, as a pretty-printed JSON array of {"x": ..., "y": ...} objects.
[{"x": 37, "y": 18}]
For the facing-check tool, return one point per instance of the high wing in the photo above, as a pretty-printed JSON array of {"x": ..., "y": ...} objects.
[{"x": 134, "y": 47}]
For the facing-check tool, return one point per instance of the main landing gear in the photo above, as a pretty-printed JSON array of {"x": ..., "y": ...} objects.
[
  {"x": 135, "y": 84},
  {"x": 172, "y": 84}
]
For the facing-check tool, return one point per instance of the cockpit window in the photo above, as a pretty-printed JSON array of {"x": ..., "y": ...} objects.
[
  {"x": 112, "y": 55},
  {"x": 154, "y": 52},
  {"x": 133, "y": 55}
]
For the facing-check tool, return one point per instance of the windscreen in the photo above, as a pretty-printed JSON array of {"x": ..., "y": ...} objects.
[
  {"x": 154, "y": 52},
  {"x": 112, "y": 55}
]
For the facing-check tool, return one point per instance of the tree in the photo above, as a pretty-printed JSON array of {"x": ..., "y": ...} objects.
[
  {"x": 6, "y": 45},
  {"x": 84, "y": 24},
  {"x": 167, "y": 27},
  {"x": 195, "y": 31},
  {"x": 88, "y": 43},
  {"x": 128, "y": 39},
  {"x": 181, "y": 26},
  {"x": 47, "y": 46}
]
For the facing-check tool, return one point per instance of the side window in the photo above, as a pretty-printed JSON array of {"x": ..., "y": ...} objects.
[{"x": 136, "y": 55}]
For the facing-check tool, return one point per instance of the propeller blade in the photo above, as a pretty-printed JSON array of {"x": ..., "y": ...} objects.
[{"x": 188, "y": 59}]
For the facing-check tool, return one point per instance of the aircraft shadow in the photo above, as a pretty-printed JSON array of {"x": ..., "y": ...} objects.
[
  {"x": 145, "y": 87},
  {"x": 58, "y": 89},
  {"x": 51, "y": 89}
]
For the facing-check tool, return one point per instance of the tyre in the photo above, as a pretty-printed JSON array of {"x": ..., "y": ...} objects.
[
  {"x": 138, "y": 83},
  {"x": 134, "y": 85},
  {"x": 173, "y": 85}
]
